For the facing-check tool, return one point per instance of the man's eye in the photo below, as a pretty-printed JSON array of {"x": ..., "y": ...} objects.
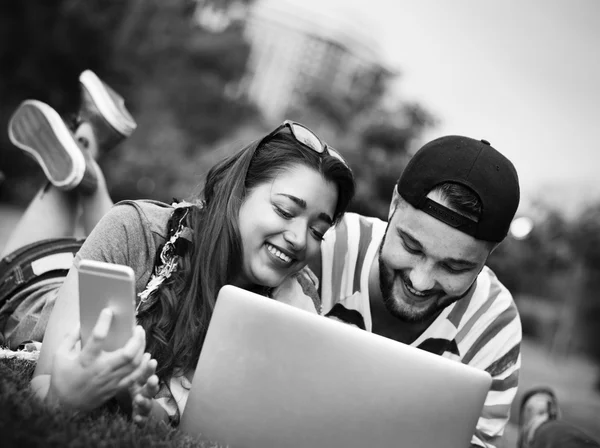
[
  {"x": 453, "y": 270},
  {"x": 412, "y": 250}
]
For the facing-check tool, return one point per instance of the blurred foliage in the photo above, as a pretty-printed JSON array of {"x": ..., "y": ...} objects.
[
  {"x": 373, "y": 134},
  {"x": 179, "y": 72},
  {"x": 174, "y": 74},
  {"x": 180, "y": 81},
  {"x": 44, "y": 45},
  {"x": 546, "y": 256},
  {"x": 586, "y": 244},
  {"x": 554, "y": 275}
]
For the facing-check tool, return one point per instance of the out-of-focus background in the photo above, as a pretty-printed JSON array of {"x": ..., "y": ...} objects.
[{"x": 376, "y": 79}]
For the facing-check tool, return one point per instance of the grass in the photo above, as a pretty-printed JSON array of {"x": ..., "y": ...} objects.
[
  {"x": 573, "y": 378},
  {"x": 24, "y": 421}
]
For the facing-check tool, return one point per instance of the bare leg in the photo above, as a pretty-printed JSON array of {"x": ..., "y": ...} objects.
[
  {"x": 58, "y": 213},
  {"x": 96, "y": 204},
  {"x": 51, "y": 214},
  {"x": 54, "y": 213}
]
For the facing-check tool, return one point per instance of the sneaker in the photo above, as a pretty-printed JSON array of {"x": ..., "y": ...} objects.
[
  {"x": 39, "y": 130},
  {"x": 538, "y": 406},
  {"x": 105, "y": 110}
]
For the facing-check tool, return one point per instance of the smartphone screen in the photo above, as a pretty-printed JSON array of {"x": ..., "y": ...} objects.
[{"x": 106, "y": 285}]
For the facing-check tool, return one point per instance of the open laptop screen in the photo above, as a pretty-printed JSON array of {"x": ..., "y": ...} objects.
[{"x": 271, "y": 375}]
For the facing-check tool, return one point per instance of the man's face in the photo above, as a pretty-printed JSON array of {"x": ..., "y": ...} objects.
[{"x": 426, "y": 265}]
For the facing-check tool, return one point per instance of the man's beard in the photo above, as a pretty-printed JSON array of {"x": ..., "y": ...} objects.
[{"x": 398, "y": 308}]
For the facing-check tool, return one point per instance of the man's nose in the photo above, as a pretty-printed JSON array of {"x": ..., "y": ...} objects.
[{"x": 421, "y": 277}]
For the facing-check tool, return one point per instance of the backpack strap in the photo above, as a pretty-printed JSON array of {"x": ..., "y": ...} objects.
[
  {"x": 35, "y": 262},
  {"x": 178, "y": 242}
]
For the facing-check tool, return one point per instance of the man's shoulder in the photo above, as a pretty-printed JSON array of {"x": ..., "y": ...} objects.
[
  {"x": 354, "y": 228},
  {"x": 490, "y": 288},
  {"x": 356, "y": 218},
  {"x": 489, "y": 318},
  {"x": 348, "y": 245}
]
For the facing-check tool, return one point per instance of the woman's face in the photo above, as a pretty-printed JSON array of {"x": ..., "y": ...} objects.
[{"x": 282, "y": 223}]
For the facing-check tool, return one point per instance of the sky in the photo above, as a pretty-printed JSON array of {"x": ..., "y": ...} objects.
[{"x": 523, "y": 74}]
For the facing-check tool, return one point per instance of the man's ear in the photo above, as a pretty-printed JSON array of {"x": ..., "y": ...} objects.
[
  {"x": 395, "y": 202},
  {"x": 493, "y": 247}
]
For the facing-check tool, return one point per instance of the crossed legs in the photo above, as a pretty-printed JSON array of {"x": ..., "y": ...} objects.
[{"x": 76, "y": 196}]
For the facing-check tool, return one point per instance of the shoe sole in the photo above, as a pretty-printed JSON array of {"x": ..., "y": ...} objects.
[
  {"x": 37, "y": 129},
  {"x": 113, "y": 111}
]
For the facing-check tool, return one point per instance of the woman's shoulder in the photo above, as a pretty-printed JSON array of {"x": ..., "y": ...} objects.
[
  {"x": 153, "y": 215},
  {"x": 147, "y": 207}
]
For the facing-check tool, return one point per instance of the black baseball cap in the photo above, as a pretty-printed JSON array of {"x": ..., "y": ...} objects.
[{"x": 474, "y": 164}]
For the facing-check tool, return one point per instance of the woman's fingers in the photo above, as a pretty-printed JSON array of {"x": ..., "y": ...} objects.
[
  {"x": 152, "y": 365},
  {"x": 143, "y": 371},
  {"x": 149, "y": 370},
  {"x": 136, "y": 344},
  {"x": 151, "y": 388},
  {"x": 93, "y": 346},
  {"x": 138, "y": 377},
  {"x": 142, "y": 401},
  {"x": 142, "y": 407},
  {"x": 70, "y": 340},
  {"x": 130, "y": 356}
]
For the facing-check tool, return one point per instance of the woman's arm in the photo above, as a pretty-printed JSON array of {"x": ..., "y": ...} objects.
[
  {"x": 111, "y": 241},
  {"x": 83, "y": 378},
  {"x": 64, "y": 317}
]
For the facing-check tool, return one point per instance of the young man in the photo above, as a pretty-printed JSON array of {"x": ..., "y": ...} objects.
[{"x": 421, "y": 278}]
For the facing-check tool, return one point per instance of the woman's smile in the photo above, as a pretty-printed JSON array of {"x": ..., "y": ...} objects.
[
  {"x": 282, "y": 223},
  {"x": 280, "y": 255}
]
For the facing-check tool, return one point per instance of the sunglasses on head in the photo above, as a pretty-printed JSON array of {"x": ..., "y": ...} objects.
[{"x": 306, "y": 138}]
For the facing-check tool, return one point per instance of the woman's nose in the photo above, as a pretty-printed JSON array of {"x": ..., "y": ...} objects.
[{"x": 295, "y": 236}]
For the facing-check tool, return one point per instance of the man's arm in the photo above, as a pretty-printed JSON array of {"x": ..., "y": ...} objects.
[{"x": 497, "y": 351}]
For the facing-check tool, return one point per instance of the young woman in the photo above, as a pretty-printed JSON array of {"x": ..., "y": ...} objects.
[
  {"x": 261, "y": 217},
  {"x": 67, "y": 208}
]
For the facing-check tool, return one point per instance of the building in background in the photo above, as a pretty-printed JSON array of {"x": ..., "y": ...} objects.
[{"x": 300, "y": 47}]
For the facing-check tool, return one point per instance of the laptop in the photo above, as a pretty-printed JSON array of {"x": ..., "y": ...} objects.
[{"x": 271, "y": 375}]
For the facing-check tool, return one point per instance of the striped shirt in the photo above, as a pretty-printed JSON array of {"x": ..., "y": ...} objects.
[{"x": 482, "y": 329}]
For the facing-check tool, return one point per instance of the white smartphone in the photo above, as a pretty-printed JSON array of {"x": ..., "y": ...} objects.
[{"x": 106, "y": 285}]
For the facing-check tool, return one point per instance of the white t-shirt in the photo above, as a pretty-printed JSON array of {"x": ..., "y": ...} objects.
[{"x": 482, "y": 329}]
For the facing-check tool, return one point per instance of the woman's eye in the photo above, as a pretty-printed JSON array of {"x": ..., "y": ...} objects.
[
  {"x": 285, "y": 214},
  {"x": 318, "y": 235}
]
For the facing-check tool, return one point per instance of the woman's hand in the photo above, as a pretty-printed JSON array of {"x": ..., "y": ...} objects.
[
  {"x": 143, "y": 401},
  {"x": 86, "y": 379},
  {"x": 143, "y": 390}
]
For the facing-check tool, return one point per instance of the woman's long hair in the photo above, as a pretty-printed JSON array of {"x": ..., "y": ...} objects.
[{"x": 176, "y": 323}]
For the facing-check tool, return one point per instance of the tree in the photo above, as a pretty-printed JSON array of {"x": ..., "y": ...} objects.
[
  {"x": 586, "y": 243},
  {"x": 374, "y": 134},
  {"x": 173, "y": 73},
  {"x": 44, "y": 45}
]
